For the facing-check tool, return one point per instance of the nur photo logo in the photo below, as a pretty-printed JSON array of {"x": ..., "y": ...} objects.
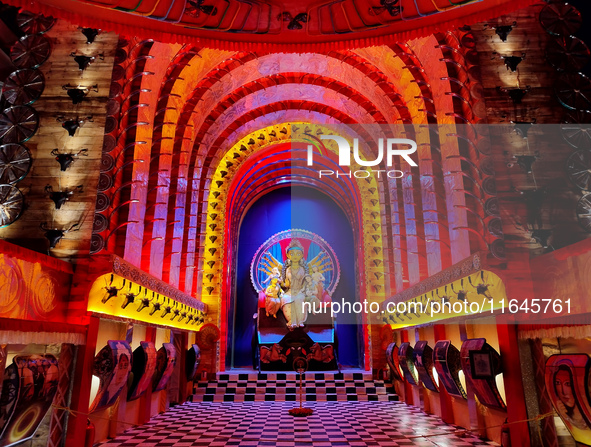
[{"x": 388, "y": 149}]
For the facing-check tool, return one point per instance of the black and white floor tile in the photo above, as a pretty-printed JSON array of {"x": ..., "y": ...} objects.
[
  {"x": 281, "y": 387},
  {"x": 269, "y": 424}
]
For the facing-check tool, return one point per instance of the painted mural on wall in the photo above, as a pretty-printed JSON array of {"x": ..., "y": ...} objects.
[
  {"x": 291, "y": 268},
  {"x": 143, "y": 369},
  {"x": 447, "y": 364},
  {"x": 481, "y": 364},
  {"x": 9, "y": 397},
  {"x": 29, "y": 386},
  {"x": 566, "y": 377},
  {"x": 31, "y": 291},
  {"x": 165, "y": 363},
  {"x": 112, "y": 366}
]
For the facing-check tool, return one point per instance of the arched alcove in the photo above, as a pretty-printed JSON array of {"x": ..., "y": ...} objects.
[{"x": 295, "y": 207}]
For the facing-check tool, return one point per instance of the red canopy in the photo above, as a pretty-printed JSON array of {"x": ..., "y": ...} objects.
[{"x": 257, "y": 25}]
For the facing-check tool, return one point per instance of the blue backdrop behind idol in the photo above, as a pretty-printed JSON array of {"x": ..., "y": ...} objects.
[{"x": 284, "y": 209}]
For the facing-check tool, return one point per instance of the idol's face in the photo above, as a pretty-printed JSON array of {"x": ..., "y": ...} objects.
[
  {"x": 295, "y": 255},
  {"x": 564, "y": 388}
]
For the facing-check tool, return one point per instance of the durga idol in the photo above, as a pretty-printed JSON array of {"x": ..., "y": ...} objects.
[{"x": 293, "y": 274}]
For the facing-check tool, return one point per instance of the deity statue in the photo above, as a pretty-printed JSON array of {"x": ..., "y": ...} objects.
[
  {"x": 272, "y": 300},
  {"x": 293, "y": 281},
  {"x": 318, "y": 279},
  {"x": 274, "y": 274},
  {"x": 294, "y": 271},
  {"x": 318, "y": 266},
  {"x": 269, "y": 296},
  {"x": 311, "y": 293}
]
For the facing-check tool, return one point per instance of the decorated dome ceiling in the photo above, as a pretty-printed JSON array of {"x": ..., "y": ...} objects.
[{"x": 275, "y": 25}]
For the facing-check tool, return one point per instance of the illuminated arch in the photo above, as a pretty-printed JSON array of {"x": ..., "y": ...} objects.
[{"x": 216, "y": 252}]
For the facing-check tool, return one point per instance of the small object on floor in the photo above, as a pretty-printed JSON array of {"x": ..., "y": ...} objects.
[
  {"x": 301, "y": 412},
  {"x": 300, "y": 364}
]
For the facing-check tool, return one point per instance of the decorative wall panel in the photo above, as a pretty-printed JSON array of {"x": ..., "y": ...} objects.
[
  {"x": 30, "y": 384},
  {"x": 112, "y": 366},
  {"x": 143, "y": 369}
]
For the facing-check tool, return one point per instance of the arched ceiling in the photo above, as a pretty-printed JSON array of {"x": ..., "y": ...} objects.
[
  {"x": 275, "y": 25},
  {"x": 190, "y": 106}
]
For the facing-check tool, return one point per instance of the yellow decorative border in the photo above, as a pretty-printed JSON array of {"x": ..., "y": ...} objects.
[
  {"x": 114, "y": 305},
  {"x": 475, "y": 294}
]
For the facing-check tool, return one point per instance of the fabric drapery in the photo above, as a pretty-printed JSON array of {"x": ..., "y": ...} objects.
[
  {"x": 551, "y": 331},
  {"x": 41, "y": 338}
]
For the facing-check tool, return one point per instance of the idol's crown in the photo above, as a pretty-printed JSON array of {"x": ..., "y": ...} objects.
[{"x": 295, "y": 245}]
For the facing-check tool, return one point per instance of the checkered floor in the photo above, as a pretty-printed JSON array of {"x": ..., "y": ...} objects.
[
  {"x": 269, "y": 424},
  {"x": 281, "y": 387}
]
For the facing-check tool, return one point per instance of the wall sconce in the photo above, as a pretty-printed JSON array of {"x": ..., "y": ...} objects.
[
  {"x": 482, "y": 287},
  {"x": 167, "y": 310},
  {"x": 516, "y": 94},
  {"x": 525, "y": 162},
  {"x": 534, "y": 201},
  {"x": 110, "y": 290},
  {"x": 405, "y": 313},
  {"x": 176, "y": 313},
  {"x": 502, "y": 31},
  {"x": 65, "y": 160},
  {"x": 90, "y": 34},
  {"x": 462, "y": 293},
  {"x": 130, "y": 297},
  {"x": 61, "y": 197},
  {"x": 541, "y": 236},
  {"x": 445, "y": 298},
  {"x": 72, "y": 125},
  {"x": 84, "y": 61},
  {"x": 156, "y": 305},
  {"x": 145, "y": 301},
  {"x": 511, "y": 62},
  {"x": 54, "y": 235},
  {"x": 198, "y": 319},
  {"x": 78, "y": 93},
  {"x": 522, "y": 127}
]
